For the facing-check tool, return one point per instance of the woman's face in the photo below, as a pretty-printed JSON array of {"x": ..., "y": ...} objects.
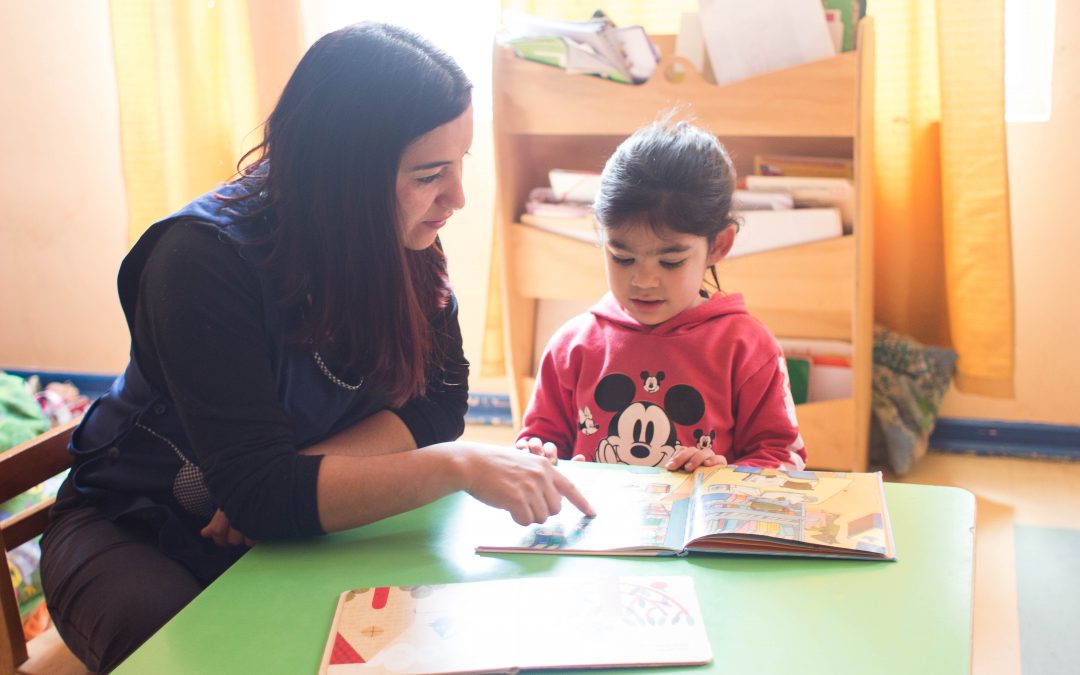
[{"x": 429, "y": 180}]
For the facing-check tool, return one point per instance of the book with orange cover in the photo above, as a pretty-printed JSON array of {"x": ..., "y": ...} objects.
[
  {"x": 509, "y": 625},
  {"x": 804, "y": 165}
]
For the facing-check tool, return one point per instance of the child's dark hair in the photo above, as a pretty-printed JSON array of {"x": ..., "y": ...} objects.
[{"x": 669, "y": 175}]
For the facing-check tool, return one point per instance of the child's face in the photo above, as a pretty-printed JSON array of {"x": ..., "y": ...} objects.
[{"x": 655, "y": 275}]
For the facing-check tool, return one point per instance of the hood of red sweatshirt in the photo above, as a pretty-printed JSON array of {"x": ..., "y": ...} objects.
[{"x": 609, "y": 309}]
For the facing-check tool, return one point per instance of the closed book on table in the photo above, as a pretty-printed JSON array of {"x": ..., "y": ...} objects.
[{"x": 509, "y": 625}]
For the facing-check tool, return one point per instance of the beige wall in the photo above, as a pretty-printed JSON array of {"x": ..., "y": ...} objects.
[
  {"x": 62, "y": 211},
  {"x": 63, "y": 216},
  {"x": 63, "y": 220},
  {"x": 1046, "y": 243}
]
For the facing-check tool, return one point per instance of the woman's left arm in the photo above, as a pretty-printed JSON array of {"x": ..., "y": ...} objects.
[
  {"x": 436, "y": 417},
  {"x": 439, "y": 415}
]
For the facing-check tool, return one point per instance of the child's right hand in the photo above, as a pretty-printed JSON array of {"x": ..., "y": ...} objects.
[
  {"x": 689, "y": 458},
  {"x": 539, "y": 447}
]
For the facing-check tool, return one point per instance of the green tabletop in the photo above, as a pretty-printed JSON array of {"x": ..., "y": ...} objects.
[{"x": 271, "y": 612}]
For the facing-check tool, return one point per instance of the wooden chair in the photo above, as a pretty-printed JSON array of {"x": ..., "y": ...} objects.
[{"x": 21, "y": 468}]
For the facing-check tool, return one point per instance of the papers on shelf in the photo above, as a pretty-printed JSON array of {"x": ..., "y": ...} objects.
[
  {"x": 835, "y": 22},
  {"x": 848, "y": 12},
  {"x": 690, "y": 44},
  {"x": 748, "y": 38},
  {"x": 574, "y": 186},
  {"x": 594, "y": 46}
]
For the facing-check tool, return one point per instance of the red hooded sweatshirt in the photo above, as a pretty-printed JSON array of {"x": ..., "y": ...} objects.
[{"x": 616, "y": 391}]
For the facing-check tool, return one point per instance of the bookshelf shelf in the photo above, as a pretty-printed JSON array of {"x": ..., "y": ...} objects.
[
  {"x": 545, "y": 100},
  {"x": 547, "y": 119}
]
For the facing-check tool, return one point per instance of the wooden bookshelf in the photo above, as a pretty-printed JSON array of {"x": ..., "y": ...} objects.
[{"x": 545, "y": 118}]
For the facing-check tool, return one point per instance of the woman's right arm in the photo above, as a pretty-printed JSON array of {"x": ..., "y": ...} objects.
[
  {"x": 200, "y": 334},
  {"x": 355, "y": 491},
  {"x": 380, "y": 455}
]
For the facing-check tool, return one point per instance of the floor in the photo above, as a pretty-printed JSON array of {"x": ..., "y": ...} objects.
[{"x": 1008, "y": 492}]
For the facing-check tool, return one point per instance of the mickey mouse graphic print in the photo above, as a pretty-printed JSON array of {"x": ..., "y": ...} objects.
[{"x": 614, "y": 390}]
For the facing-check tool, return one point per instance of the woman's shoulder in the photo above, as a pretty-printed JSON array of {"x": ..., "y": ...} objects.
[
  {"x": 194, "y": 262},
  {"x": 188, "y": 247}
]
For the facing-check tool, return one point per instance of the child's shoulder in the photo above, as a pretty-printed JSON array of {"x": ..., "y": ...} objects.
[
  {"x": 732, "y": 311},
  {"x": 743, "y": 328}
]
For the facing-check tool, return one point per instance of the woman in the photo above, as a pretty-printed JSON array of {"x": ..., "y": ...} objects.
[{"x": 296, "y": 363}]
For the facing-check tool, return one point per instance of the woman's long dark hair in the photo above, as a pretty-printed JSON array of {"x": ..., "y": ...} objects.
[{"x": 327, "y": 169}]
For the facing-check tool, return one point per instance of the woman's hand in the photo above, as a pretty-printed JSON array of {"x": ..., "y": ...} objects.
[
  {"x": 219, "y": 530},
  {"x": 688, "y": 458},
  {"x": 540, "y": 447},
  {"x": 526, "y": 485}
]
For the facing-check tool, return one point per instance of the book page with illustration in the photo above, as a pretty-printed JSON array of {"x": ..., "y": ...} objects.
[
  {"x": 790, "y": 512},
  {"x": 647, "y": 511},
  {"x": 639, "y": 511}
]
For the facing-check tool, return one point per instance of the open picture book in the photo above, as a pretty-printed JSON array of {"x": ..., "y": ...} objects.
[
  {"x": 517, "y": 624},
  {"x": 647, "y": 511}
]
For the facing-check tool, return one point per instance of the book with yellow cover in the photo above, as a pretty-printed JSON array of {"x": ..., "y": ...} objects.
[
  {"x": 646, "y": 511},
  {"x": 518, "y": 624}
]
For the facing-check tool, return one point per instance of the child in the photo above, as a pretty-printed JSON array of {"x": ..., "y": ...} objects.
[{"x": 657, "y": 373}]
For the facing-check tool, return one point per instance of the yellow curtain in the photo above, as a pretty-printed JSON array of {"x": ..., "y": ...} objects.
[
  {"x": 187, "y": 91},
  {"x": 658, "y": 18},
  {"x": 943, "y": 262}
]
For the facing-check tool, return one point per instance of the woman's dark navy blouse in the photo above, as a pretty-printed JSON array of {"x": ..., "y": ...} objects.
[{"x": 215, "y": 402}]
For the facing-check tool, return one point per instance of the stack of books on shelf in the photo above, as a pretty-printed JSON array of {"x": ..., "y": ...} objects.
[
  {"x": 595, "y": 46},
  {"x": 725, "y": 41},
  {"x": 791, "y": 200},
  {"x": 564, "y": 207},
  {"x": 800, "y": 200},
  {"x": 730, "y": 40},
  {"x": 819, "y": 370}
]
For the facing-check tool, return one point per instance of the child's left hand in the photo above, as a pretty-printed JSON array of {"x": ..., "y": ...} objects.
[
  {"x": 688, "y": 458},
  {"x": 538, "y": 446}
]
